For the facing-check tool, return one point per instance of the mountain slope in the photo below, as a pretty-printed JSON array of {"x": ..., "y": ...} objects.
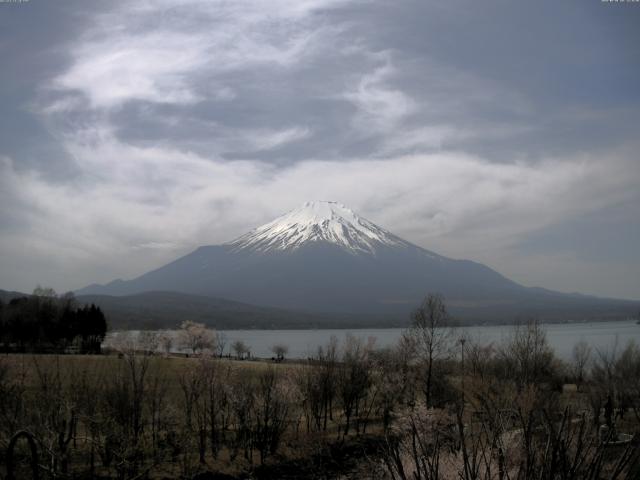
[
  {"x": 159, "y": 309},
  {"x": 322, "y": 257},
  {"x": 6, "y": 296},
  {"x": 156, "y": 310}
]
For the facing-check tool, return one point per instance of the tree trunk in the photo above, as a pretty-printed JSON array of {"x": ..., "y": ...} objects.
[{"x": 429, "y": 374}]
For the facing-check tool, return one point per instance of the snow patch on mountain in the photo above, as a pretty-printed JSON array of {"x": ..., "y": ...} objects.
[{"x": 319, "y": 221}]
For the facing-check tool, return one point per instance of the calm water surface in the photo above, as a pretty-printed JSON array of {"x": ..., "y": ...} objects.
[{"x": 303, "y": 343}]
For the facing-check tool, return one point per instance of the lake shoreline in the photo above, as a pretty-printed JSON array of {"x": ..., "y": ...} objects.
[
  {"x": 330, "y": 326},
  {"x": 302, "y": 344}
]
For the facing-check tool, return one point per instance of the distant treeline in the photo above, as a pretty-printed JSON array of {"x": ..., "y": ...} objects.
[{"x": 47, "y": 322}]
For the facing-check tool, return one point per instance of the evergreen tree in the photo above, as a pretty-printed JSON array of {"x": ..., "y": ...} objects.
[{"x": 45, "y": 321}]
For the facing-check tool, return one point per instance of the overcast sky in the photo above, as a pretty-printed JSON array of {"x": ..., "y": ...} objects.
[{"x": 498, "y": 131}]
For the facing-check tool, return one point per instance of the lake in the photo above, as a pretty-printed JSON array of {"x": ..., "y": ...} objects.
[{"x": 303, "y": 343}]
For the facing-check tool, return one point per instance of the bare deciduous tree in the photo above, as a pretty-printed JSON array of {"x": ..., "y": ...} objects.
[
  {"x": 390, "y": 379},
  {"x": 221, "y": 343},
  {"x": 280, "y": 351},
  {"x": 166, "y": 342},
  {"x": 581, "y": 355},
  {"x": 354, "y": 377},
  {"x": 627, "y": 378},
  {"x": 241, "y": 349},
  {"x": 317, "y": 385},
  {"x": 430, "y": 334},
  {"x": 192, "y": 385},
  {"x": 527, "y": 355},
  {"x": 271, "y": 412},
  {"x": 148, "y": 341}
]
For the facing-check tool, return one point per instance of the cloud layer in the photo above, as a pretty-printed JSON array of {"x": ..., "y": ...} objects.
[{"x": 171, "y": 125}]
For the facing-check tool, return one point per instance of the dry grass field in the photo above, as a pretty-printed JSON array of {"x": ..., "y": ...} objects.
[{"x": 349, "y": 412}]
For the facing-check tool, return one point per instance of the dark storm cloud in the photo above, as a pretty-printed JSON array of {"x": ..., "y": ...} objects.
[{"x": 497, "y": 131}]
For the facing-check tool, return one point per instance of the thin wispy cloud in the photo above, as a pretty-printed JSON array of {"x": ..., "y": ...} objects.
[{"x": 380, "y": 107}]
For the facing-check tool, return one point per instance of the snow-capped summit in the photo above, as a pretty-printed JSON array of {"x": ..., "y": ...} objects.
[{"x": 318, "y": 221}]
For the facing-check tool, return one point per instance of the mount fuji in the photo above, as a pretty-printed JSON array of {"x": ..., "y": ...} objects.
[
  {"x": 324, "y": 258},
  {"x": 321, "y": 222}
]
